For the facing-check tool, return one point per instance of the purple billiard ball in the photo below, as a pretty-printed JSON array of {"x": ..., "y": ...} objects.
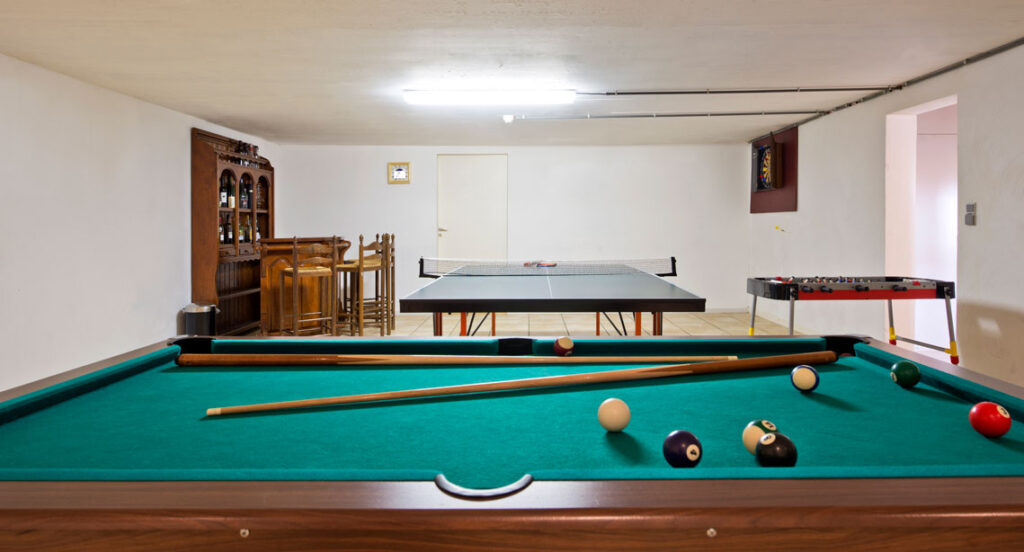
[{"x": 682, "y": 449}]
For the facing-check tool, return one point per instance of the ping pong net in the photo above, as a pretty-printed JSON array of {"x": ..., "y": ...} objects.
[{"x": 432, "y": 267}]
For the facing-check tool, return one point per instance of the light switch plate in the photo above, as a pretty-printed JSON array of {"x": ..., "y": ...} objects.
[{"x": 971, "y": 218}]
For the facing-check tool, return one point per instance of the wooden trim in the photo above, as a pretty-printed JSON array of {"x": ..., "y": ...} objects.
[{"x": 611, "y": 515}]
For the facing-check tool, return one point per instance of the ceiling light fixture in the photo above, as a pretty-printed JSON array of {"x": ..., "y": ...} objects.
[{"x": 489, "y": 97}]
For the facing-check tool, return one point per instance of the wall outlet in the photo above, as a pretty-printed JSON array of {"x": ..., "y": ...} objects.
[{"x": 971, "y": 217}]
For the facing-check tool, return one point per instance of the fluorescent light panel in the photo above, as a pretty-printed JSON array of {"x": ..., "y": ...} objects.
[{"x": 489, "y": 97}]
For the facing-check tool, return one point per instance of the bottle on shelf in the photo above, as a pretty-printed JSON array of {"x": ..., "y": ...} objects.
[
  {"x": 231, "y": 195},
  {"x": 224, "y": 189},
  {"x": 262, "y": 188},
  {"x": 220, "y": 227},
  {"x": 257, "y": 229},
  {"x": 246, "y": 194}
]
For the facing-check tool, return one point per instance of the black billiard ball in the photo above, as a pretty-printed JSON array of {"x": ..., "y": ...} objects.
[
  {"x": 775, "y": 449},
  {"x": 682, "y": 449}
]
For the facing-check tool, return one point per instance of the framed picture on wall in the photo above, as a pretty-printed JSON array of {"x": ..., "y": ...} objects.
[{"x": 398, "y": 173}]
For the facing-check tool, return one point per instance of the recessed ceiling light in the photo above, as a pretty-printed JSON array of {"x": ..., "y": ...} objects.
[{"x": 489, "y": 97}]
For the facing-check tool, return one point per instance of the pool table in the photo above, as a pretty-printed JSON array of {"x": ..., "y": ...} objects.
[{"x": 121, "y": 455}]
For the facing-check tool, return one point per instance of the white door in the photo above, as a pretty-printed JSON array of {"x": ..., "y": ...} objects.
[{"x": 472, "y": 206}]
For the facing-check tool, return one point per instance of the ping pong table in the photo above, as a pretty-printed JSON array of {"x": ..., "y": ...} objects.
[{"x": 577, "y": 286}]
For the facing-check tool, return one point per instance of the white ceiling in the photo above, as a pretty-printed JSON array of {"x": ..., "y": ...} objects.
[{"x": 332, "y": 72}]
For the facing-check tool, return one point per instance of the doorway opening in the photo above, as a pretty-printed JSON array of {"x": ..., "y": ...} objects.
[{"x": 921, "y": 212}]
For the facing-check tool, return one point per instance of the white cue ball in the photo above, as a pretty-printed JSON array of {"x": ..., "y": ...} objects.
[
  {"x": 805, "y": 378},
  {"x": 613, "y": 414}
]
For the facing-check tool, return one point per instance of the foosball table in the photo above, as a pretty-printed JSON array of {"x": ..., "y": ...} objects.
[{"x": 857, "y": 288}]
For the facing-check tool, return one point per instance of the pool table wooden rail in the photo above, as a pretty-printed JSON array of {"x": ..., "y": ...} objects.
[{"x": 937, "y": 514}]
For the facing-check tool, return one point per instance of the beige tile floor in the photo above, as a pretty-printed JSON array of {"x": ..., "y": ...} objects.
[{"x": 674, "y": 323}]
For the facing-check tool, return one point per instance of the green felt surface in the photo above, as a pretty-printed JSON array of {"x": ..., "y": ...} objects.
[{"x": 150, "y": 423}]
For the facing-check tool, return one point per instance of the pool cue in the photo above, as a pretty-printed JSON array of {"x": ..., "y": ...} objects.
[
  {"x": 229, "y": 359},
  {"x": 629, "y": 374}
]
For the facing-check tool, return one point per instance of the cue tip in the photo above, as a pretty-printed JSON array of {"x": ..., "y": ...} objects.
[{"x": 213, "y": 411}]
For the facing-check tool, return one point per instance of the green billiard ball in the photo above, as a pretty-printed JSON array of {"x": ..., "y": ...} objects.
[
  {"x": 754, "y": 431},
  {"x": 906, "y": 374}
]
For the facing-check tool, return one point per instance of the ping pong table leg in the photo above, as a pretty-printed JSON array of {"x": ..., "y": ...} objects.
[
  {"x": 462, "y": 324},
  {"x": 597, "y": 316},
  {"x": 438, "y": 317},
  {"x": 657, "y": 323},
  {"x": 637, "y": 316},
  {"x": 494, "y": 325}
]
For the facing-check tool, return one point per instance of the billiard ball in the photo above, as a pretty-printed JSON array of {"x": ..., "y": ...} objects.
[
  {"x": 804, "y": 378},
  {"x": 753, "y": 432},
  {"x": 989, "y": 419},
  {"x": 613, "y": 414},
  {"x": 682, "y": 449},
  {"x": 563, "y": 346},
  {"x": 775, "y": 450},
  {"x": 906, "y": 374}
]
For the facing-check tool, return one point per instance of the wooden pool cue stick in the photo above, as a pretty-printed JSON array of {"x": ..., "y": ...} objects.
[
  {"x": 243, "y": 359},
  {"x": 629, "y": 374}
]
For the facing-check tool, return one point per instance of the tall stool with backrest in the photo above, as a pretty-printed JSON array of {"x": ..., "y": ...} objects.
[
  {"x": 391, "y": 282},
  {"x": 370, "y": 260},
  {"x": 345, "y": 270},
  {"x": 316, "y": 261}
]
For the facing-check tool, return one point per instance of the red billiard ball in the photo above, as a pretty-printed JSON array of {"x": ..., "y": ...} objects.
[
  {"x": 563, "y": 346},
  {"x": 989, "y": 419}
]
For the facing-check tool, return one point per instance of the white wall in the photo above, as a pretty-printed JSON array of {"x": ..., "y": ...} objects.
[
  {"x": 564, "y": 203},
  {"x": 900, "y": 204},
  {"x": 94, "y": 221},
  {"x": 839, "y": 228}
]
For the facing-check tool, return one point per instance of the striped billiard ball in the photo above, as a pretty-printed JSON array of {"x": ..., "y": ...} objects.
[
  {"x": 753, "y": 432},
  {"x": 563, "y": 346}
]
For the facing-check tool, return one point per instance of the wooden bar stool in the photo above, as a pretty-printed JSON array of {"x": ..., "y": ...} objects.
[
  {"x": 370, "y": 260},
  {"x": 390, "y": 265},
  {"x": 316, "y": 261},
  {"x": 345, "y": 270}
]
